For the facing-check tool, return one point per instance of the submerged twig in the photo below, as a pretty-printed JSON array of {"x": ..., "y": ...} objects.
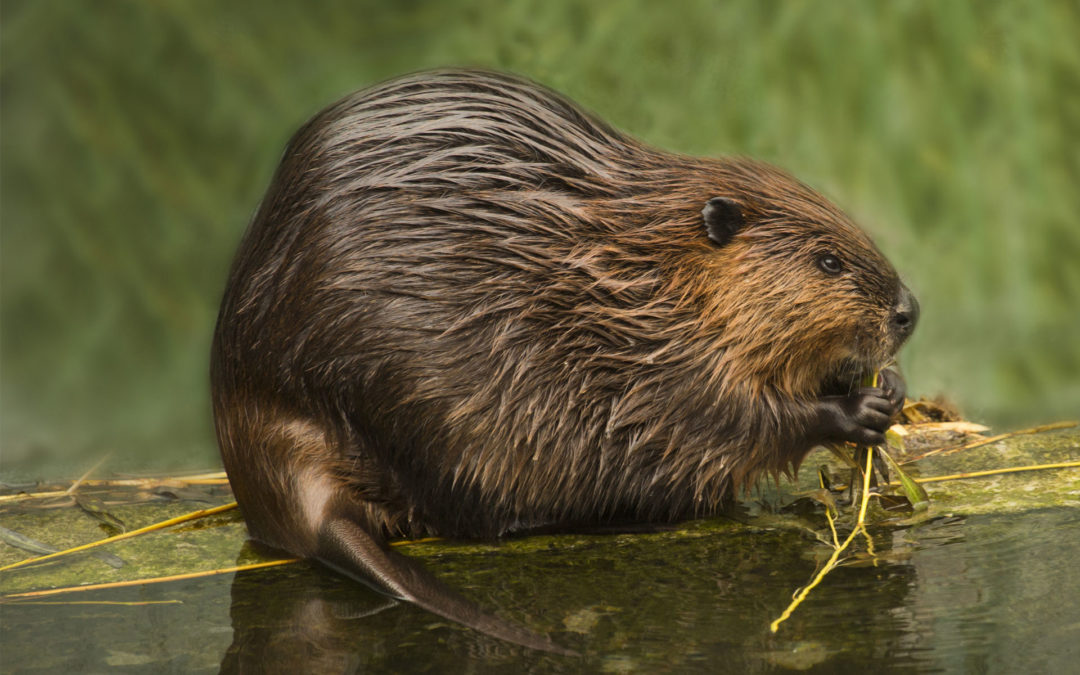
[
  {"x": 828, "y": 509},
  {"x": 19, "y": 540},
  {"x": 127, "y": 535}
]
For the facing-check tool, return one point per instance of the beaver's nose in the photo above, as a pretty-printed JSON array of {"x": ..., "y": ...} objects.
[{"x": 906, "y": 313}]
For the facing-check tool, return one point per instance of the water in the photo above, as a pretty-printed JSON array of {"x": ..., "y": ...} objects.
[{"x": 992, "y": 593}]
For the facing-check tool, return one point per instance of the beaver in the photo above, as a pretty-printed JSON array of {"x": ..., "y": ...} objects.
[{"x": 468, "y": 308}]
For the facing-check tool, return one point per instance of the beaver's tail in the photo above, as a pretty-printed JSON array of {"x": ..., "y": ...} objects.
[{"x": 347, "y": 548}]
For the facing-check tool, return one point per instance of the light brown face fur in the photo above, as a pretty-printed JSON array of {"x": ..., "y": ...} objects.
[{"x": 787, "y": 323}]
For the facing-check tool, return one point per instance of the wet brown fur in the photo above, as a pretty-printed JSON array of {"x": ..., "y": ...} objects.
[{"x": 465, "y": 307}]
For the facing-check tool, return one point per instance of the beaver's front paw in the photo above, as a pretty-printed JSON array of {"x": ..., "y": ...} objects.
[
  {"x": 861, "y": 417},
  {"x": 894, "y": 387}
]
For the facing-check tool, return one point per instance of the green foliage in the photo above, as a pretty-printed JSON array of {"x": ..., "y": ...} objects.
[{"x": 139, "y": 136}]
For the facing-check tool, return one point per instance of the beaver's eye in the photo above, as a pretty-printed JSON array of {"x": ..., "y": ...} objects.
[{"x": 829, "y": 263}]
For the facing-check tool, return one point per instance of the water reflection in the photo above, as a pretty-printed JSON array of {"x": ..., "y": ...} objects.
[
  {"x": 985, "y": 593},
  {"x": 307, "y": 619},
  {"x": 285, "y": 626}
]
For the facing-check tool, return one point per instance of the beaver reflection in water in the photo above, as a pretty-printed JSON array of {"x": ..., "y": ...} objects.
[{"x": 467, "y": 308}]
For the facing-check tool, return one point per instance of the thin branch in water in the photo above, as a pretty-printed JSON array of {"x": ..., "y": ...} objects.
[
  {"x": 77, "y": 483},
  {"x": 127, "y": 535}
]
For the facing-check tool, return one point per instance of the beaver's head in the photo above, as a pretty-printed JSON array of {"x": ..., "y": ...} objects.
[{"x": 808, "y": 304}]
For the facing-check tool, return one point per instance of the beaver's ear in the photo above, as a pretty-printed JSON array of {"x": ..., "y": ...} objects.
[{"x": 723, "y": 218}]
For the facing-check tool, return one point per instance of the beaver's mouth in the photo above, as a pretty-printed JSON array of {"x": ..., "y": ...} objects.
[{"x": 846, "y": 377}]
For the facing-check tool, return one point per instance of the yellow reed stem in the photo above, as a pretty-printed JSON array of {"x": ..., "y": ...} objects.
[
  {"x": 154, "y": 580},
  {"x": 993, "y": 472},
  {"x": 860, "y": 525}
]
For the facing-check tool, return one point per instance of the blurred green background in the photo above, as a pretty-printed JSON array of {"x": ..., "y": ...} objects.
[{"x": 137, "y": 138}]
